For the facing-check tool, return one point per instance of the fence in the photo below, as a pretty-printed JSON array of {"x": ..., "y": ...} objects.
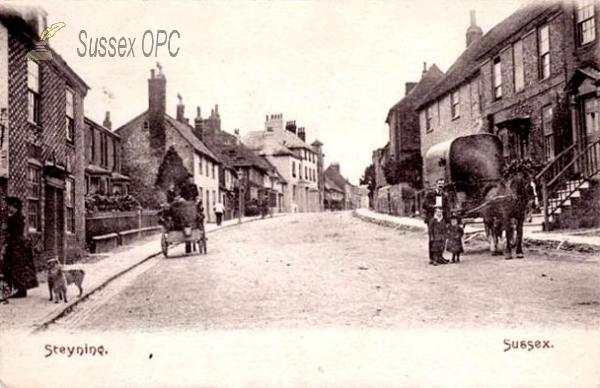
[{"x": 103, "y": 223}]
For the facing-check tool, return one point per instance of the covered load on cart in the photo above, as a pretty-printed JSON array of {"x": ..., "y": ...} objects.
[
  {"x": 469, "y": 165},
  {"x": 182, "y": 222}
]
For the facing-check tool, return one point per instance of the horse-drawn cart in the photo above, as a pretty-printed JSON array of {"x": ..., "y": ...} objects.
[
  {"x": 182, "y": 223},
  {"x": 469, "y": 165}
]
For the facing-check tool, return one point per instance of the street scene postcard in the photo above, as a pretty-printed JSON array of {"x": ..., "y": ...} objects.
[{"x": 292, "y": 193}]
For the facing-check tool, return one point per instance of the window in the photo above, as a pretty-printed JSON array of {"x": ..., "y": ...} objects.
[
  {"x": 592, "y": 123},
  {"x": 299, "y": 171},
  {"x": 455, "y": 104},
  {"x": 293, "y": 169},
  {"x": 33, "y": 93},
  {"x": 213, "y": 170},
  {"x": 586, "y": 25},
  {"x": 34, "y": 184},
  {"x": 306, "y": 172},
  {"x": 548, "y": 132},
  {"x": 70, "y": 114},
  {"x": 214, "y": 197},
  {"x": 207, "y": 169},
  {"x": 103, "y": 150},
  {"x": 70, "y": 204},
  {"x": 518, "y": 66},
  {"x": 429, "y": 118},
  {"x": 475, "y": 98},
  {"x": 200, "y": 165},
  {"x": 544, "y": 52},
  {"x": 90, "y": 145},
  {"x": 497, "y": 79}
]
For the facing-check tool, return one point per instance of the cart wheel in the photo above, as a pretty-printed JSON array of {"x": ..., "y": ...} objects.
[{"x": 165, "y": 246}]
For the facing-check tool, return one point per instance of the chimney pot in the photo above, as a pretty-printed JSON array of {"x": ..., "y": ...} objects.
[
  {"x": 198, "y": 114},
  {"x": 152, "y": 71},
  {"x": 107, "y": 123}
]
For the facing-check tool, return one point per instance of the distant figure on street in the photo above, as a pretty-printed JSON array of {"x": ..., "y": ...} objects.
[
  {"x": 437, "y": 237},
  {"x": 219, "y": 210},
  {"x": 436, "y": 198},
  {"x": 454, "y": 243}
]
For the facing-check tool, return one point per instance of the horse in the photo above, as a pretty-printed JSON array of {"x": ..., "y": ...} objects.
[{"x": 506, "y": 202}]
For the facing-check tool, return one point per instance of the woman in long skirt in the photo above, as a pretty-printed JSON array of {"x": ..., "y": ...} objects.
[{"x": 18, "y": 266}]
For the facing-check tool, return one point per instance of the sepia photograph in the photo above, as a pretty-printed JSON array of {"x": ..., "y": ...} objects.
[{"x": 313, "y": 193}]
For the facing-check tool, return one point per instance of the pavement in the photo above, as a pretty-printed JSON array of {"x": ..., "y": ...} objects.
[
  {"x": 35, "y": 312},
  {"x": 531, "y": 231}
]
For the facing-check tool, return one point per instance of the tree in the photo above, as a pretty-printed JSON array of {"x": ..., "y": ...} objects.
[
  {"x": 171, "y": 171},
  {"x": 407, "y": 170},
  {"x": 368, "y": 179}
]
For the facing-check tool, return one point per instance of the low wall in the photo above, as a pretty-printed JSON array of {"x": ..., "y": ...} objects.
[{"x": 103, "y": 230}]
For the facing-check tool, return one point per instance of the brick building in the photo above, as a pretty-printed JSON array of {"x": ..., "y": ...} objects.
[
  {"x": 154, "y": 141},
  {"x": 103, "y": 159},
  {"x": 533, "y": 81},
  {"x": 42, "y": 120},
  {"x": 403, "y": 121}
]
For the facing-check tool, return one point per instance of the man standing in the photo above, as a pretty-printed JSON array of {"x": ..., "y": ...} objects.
[
  {"x": 436, "y": 198},
  {"x": 189, "y": 192},
  {"x": 219, "y": 210}
]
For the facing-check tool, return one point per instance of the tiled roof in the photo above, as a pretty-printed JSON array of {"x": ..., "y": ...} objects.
[
  {"x": 468, "y": 63},
  {"x": 283, "y": 137},
  {"x": 334, "y": 175},
  {"x": 408, "y": 102},
  {"x": 186, "y": 131},
  {"x": 266, "y": 143},
  {"x": 233, "y": 154},
  {"x": 331, "y": 185}
]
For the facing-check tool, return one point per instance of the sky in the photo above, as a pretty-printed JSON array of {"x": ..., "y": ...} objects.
[{"x": 336, "y": 67}]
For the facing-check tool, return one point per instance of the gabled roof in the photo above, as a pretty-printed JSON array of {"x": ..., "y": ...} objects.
[
  {"x": 234, "y": 154},
  {"x": 467, "y": 65},
  {"x": 283, "y": 137},
  {"x": 186, "y": 131},
  {"x": 333, "y": 173},
  {"x": 266, "y": 143},
  {"x": 409, "y": 102},
  {"x": 331, "y": 185}
]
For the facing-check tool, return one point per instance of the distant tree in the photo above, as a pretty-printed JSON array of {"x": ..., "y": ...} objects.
[
  {"x": 407, "y": 170},
  {"x": 368, "y": 179}
]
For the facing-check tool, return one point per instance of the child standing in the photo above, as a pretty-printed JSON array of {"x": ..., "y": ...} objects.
[
  {"x": 437, "y": 237},
  {"x": 454, "y": 234}
]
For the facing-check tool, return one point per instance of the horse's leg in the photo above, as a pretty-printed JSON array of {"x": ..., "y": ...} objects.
[
  {"x": 519, "y": 242},
  {"x": 509, "y": 236}
]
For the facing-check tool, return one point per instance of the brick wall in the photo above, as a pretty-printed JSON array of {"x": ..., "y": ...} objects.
[{"x": 49, "y": 136}]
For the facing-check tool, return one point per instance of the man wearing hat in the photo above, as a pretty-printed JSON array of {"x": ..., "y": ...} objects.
[
  {"x": 17, "y": 266},
  {"x": 435, "y": 198}
]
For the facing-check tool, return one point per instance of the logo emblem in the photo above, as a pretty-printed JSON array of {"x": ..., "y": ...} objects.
[{"x": 41, "y": 53}]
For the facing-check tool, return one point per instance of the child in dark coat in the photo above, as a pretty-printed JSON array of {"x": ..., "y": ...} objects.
[
  {"x": 454, "y": 244},
  {"x": 437, "y": 237}
]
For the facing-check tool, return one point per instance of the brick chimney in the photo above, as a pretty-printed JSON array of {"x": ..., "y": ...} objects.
[
  {"x": 180, "y": 110},
  {"x": 302, "y": 134},
  {"x": 199, "y": 125},
  {"x": 291, "y": 126},
  {"x": 107, "y": 123},
  {"x": 424, "y": 69},
  {"x": 408, "y": 87},
  {"x": 474, "y": 32},
  {"x": 157, "y": 103}
]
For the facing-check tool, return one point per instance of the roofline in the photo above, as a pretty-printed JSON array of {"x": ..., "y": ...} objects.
[{"x": 90, "y": 121}]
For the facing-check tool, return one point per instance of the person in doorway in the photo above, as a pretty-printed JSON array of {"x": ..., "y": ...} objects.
[
  {"x": 219, "y": 210},
  {"x": 435, "y": 198},
  {"x": 454, "y": 243},
  {"x": 18, "y": 267},
  {"x": 437, "y": 237}
]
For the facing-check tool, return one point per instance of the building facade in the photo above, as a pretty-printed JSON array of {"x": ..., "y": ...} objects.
[
  {"x": 42, "y": 136},
  {"x": 298, "y": 163},
  {"x": 103, "y": 160},
  {"x": 159, "y": 151}
]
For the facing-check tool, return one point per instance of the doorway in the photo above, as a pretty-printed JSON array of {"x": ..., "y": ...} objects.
[{"x": 54, "y": 225}]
